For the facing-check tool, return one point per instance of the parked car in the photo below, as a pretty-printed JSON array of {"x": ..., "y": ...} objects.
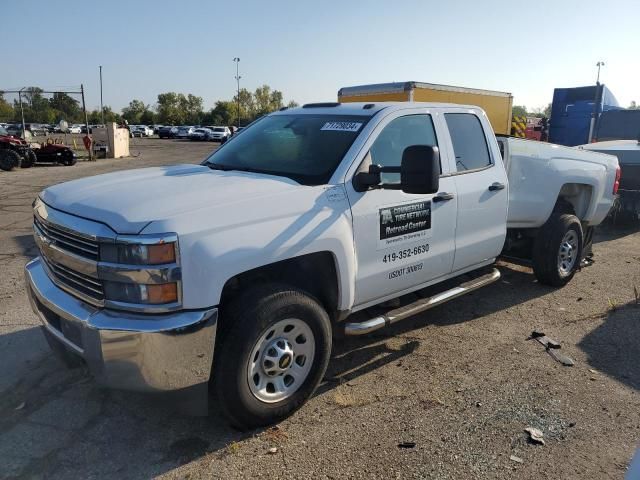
[
  {"x": 312, "y": 214},
  {"x": 14, "y": 129},
  {"x": 76, "y": 128},
  {"x": 202, "y": 134},
  {"x": 36, "y": 129},
  {"x": 141, "y": 131},
  {"x": 221, "y": 134},
  {"x": 184, "y": 132},
  {"x": 628, "y": 153},
  {"x": 167, "y": 132}
]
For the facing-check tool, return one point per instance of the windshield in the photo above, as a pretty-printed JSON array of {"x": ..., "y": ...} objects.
[
  {"x": 305, "y": 148},
  {"x": 218, "y": 129}
]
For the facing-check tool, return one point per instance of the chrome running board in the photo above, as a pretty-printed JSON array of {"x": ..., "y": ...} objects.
[{"x": 394, "y": 316}]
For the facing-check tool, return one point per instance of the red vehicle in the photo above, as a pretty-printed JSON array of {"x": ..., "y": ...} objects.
[
  {"x": 537, "y": 129},
  {"x": 16, "y": 152}
]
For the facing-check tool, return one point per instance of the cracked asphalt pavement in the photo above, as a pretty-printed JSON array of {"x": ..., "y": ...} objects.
[{"x": 455, "y": 387}]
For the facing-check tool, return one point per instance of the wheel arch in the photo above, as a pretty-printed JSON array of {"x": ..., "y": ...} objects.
[
  {"x": 575, "y": 198},
  {"x": 317, "y": 273}
]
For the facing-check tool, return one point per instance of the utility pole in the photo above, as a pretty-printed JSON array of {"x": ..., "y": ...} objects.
[
  {"x": 24, "y": 132},
  {"x": 86, "y": 121},
  {"x": 237, "y": 60},
  {"x": 101, "y": 107},
  {"x": 599, "y": 64},
  {"x": 597, "y": 104}
]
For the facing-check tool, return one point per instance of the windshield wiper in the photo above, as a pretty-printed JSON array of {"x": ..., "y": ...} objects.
[{"x": 224, "y": 168}]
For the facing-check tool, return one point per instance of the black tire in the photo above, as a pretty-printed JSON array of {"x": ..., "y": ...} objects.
[
  {"x": 9, "y": 159},
  {"x": 69, "y": 161},
  {"x": 245, "y": 321},
  {"x": 546, "y": 249},
  {"x": 30, "y": 159}
]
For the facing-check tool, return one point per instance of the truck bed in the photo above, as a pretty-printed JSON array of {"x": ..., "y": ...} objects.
[{"x": 539, "y": 173}]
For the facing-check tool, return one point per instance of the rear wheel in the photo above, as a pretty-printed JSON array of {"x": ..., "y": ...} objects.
[
  {"x": 9, "y": 159},
  {"x": 273, "y": 350},
  {"x": 557, "y": 250}
]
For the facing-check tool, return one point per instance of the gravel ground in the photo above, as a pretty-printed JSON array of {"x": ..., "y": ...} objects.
[{"x": 461, "y": 381}]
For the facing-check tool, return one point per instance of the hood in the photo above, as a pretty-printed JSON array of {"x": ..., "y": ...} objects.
[
  {"x": 12, "y": 139},
  {"x": 129, "y": 200}
]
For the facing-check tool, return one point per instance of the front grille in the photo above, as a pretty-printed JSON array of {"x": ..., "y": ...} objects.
[
  {"x": 64, "y": 272},
  {"x": 67, "y": 240},
  {"x": 84, "y": 284}
]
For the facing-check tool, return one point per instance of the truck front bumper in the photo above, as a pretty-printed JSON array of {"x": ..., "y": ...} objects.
[{"x": 125, "y": 350}]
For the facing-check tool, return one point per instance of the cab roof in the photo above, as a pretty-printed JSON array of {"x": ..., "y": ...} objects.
[{"x": 367, "y": 109}]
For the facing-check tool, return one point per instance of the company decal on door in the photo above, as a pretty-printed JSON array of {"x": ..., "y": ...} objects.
[{"x": 404, "y": 223}]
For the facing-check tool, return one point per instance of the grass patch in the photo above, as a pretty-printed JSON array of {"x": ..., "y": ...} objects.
[
  {"x": 233, "y": 448},
  {"x": 345, "y": 398}
]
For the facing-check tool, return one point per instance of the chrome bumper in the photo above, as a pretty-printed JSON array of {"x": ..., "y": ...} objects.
[{"x": 126, "y": 350}]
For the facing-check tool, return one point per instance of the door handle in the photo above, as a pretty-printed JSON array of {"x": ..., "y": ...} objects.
[
  {"x": 442, "y": 197},
  {"x": 496, "y": 186}
]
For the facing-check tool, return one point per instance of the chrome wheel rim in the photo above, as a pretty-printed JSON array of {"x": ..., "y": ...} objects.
[
  {"x": 568, "y": 253},
  {"x": 281, "y": 360}
]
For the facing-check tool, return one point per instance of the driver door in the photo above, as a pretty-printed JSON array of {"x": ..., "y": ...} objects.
[{"x": 401, "y": 240}]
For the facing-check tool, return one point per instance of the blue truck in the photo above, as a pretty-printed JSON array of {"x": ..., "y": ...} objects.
[{"x": 575, "y": 112}]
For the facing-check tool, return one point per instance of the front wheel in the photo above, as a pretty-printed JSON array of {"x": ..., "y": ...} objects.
[
  {"x": 557, "y": 250},
  {"x": 274, "y": 348},
  {"x": 9, "y": 159}
]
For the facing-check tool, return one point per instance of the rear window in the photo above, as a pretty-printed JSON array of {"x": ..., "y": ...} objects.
[{"x": 469, "y": 142}]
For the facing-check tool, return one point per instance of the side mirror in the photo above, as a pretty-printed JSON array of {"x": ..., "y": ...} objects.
[
  {"x": 419, "y": 172},
  {"x": 420, "y": 169}
]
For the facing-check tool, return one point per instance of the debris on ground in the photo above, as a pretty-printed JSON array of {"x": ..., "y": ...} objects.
[
  {"x": 275, "y": 434},
  {"x": 272, "y": 450},
  {"x": 552, "y": 347},
  {"x": 407, "y": 445},
  {"x": 21, "y": 406},
  {"x": 535, "y": 435},
  {"x": 516, "y": 459}
]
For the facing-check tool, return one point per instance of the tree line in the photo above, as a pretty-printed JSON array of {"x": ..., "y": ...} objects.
[{"x": 171, "y": 108}]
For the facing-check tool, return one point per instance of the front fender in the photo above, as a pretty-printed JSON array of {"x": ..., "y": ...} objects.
[{"x": 218, "y": 244}]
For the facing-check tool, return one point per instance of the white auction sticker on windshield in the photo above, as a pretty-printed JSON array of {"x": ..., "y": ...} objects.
[{"x": 342, "y": 126}]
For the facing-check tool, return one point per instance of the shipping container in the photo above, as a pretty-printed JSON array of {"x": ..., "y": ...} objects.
[
  {"x": 497, "y": 105},
  {"x": 575, "y": 111}
]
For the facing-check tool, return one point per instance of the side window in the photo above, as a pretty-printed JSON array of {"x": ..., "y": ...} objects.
[
  {"x": 469, "y": 143},
  {"x": 398, "y": 135}
]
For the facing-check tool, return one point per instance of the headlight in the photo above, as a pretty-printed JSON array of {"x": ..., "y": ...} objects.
[
  {"x": 139, "y": 293},
  {"x": 141, "y": 272},
  {"x": 137, "y": 254}
]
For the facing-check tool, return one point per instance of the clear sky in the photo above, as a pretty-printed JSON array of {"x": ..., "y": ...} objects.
[{"x": 309, "y": 49}]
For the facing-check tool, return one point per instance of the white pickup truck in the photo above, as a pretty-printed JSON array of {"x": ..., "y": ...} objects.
[{"x": 235, "y": 273}]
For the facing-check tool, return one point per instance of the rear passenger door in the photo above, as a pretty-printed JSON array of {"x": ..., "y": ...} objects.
[{"x": 481, "y": 183}]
